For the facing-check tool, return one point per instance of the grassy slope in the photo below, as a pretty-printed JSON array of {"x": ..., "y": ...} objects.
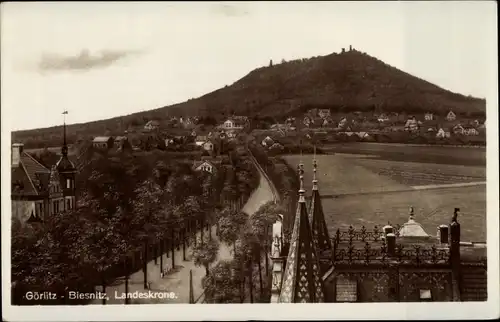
[
  {"x": 347, "y": 82},
  {"x": 432, "y": 208}
]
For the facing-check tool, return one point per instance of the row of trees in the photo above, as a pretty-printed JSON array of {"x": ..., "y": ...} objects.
[
  {"x": 132, "y": 208},
  {"x": 235, "y": 280}
]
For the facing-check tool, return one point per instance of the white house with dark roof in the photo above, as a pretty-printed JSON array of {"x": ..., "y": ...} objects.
[
  {"x": 208, "y": 146},
  {"x": 103, "y": 142},
  {"x": 152, "y": 125},
  {"x": 383, "y": 118},
  {"x": 205, "y": 165},
  {"x": 441, "y": 133},
  {"x": 451, "y": 116}
]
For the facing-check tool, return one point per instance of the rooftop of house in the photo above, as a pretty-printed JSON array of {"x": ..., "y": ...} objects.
[
  {"x": 153, "y": 123},
  {"x": 31, "y": 176},
  {"x": 101, "y": 139}
]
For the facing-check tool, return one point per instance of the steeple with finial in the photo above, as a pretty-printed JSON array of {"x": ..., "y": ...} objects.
[
  {"x": 302, "y": 281},
  {"x": 64, "y": 164},
  {"x": 319, "y": 228},
  {"x": 67, "y": 171}
]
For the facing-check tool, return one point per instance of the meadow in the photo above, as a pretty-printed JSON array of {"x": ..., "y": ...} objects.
[
  {"x": 431, "y": 208},
  {"x": 372, "y": 186},
  {"x": 464, "y": 156}
]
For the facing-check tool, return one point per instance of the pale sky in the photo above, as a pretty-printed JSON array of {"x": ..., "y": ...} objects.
[{"x": 101, "y": 60}]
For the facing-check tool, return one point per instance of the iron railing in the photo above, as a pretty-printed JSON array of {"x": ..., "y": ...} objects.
[{"x": 414, "y": 254}]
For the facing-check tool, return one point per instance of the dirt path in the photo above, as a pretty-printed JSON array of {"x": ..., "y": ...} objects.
[{"x": 448, "y": 185}]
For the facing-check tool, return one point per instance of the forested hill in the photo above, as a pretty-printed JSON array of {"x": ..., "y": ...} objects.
[{"x": 345, "y": 82}]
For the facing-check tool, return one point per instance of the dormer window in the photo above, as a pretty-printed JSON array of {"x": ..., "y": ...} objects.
[{"x": 68, "y": 183}]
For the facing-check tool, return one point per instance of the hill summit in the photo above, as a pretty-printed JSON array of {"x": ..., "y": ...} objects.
[
  {"x": 346, "y": 82},
  {"x": 350, "y": 81}
]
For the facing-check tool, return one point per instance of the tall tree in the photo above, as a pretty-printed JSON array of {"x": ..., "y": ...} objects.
[{"x": 205, "y": 253}]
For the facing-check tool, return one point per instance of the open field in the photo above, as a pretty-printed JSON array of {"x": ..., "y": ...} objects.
[
  {"x": 422, "y": 154},
  {"x": 338, "y": 175},
  {"x": 432, "y": 208},
  {"x": 416, "y": 173},
  {"x": 373, "y": 189}
]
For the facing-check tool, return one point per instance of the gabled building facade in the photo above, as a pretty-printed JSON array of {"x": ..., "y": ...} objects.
[
  {"x": 38, "y": 192},
  {"x": 392, "y": 264}
]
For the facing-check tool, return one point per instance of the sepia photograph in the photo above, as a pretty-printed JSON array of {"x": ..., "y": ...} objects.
[{"x": 164, "y": 154}]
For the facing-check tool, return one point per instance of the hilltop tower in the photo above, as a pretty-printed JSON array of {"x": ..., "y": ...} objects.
[
  {"x": 302, "y": 280},
  {"x": 67, "y": 173}
]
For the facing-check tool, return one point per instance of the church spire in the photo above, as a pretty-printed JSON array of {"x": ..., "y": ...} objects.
[
  {"x": 319, "y": 228},
  {"x": 302, "y": 282},
  {"x": 64, "y": 164},
  {"x": 64, "y": 149}
]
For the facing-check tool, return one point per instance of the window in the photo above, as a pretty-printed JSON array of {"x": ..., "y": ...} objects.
[
  {"x": 346, "y": 290},
  {"x": 68, "y": 204},
  {"x": 68, "y": 183},
  {"x": 39, "y": 209},
  {"x": 425, "y": 295},
  {"x": 55, "y": 207}
]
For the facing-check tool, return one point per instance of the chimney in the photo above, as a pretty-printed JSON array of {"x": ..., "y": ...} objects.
[
  {"x": 455, "y": 229},
  {"x": 350, "y": 47},
  {"x": 388, "y": 229},
  {"x": 443, "y": 234},
  {"x": 17, "y": 149},
  {"x": 343, "y": 50},
  {"x": 391, "y": 244}
]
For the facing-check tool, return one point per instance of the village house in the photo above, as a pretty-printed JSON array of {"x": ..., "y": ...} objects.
[
  {"x": 208, "y": 146},
  {"x": 442, "y": 134},
  {"x": 307, "y": 121},
  {"x": 324, "y": 113},
  {"x": 383, "y": 118},
  {"x": 152, "y": 125},
  {"x": 200, "y": 139},
  {"x": 38, "y": 192},
  {"x": 103, "y": 142},
  {"x": 122, "y": 143},
  {"x": 451, "y": 116},
  {"x": 470, "y": 131},
  {"x": 411, "y": 125},
  {"x": 267, "y": 142},
  {"x": 327, "y": 122},
  {"x": 429, "y": 116},
  {"x": 363, "y": 135},
  {"x": 342, "y": 123},
  {"x": 235, "y": 123},
  {"x": 458, "y": 129},
  {"x": 389, "y": 264},
  {"x": 169, "y": 141},
  {"x": 186, "y": 121},
  {"x": 206, "y": 166}
]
